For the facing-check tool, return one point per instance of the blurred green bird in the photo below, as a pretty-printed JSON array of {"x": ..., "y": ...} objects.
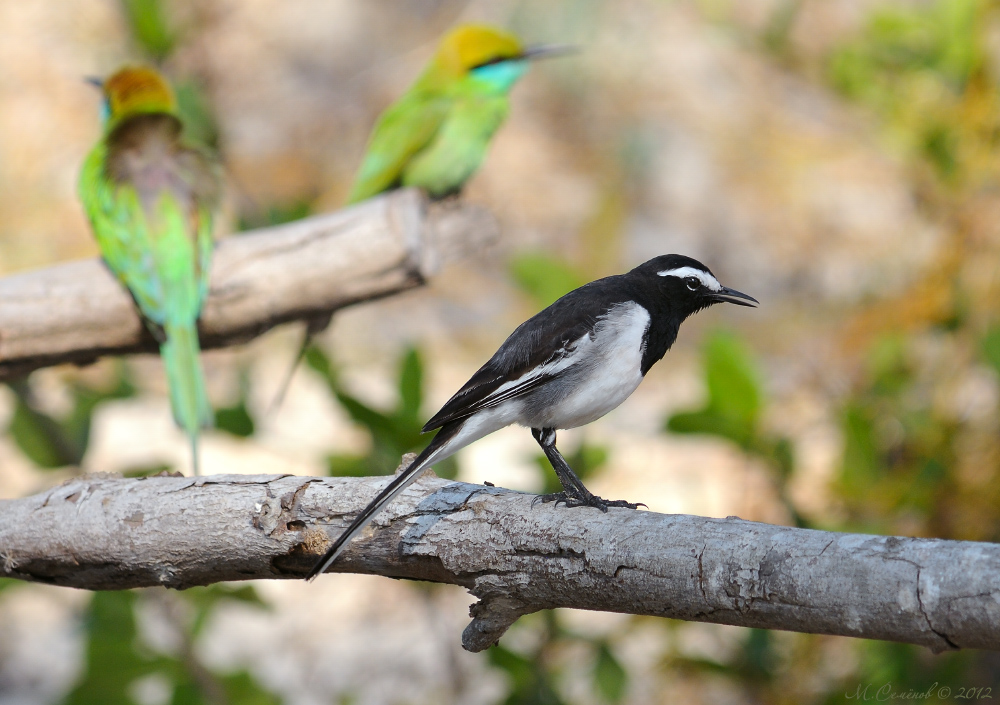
[
  {"x": 150, "y": 199},
  {"x": 436, "y": 135}
]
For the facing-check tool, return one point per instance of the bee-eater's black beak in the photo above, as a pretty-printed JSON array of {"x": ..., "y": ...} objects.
[
  {"x": 731, "y": 296},
  {"x": 547, "y": 51},
  {"x": 96, "y": 82}
]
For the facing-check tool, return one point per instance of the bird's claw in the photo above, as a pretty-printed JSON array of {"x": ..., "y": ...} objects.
[
  {"x": 561, "y": 497},
  {"x": 621, "y": 503},
  {"x": 593, "y": 500}
]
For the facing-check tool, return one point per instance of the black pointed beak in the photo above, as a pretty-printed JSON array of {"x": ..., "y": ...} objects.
[
  {"x": 548, "y": 51},
  {"x": 731, "y": 296},
  {"x": 96, "y": 82}
]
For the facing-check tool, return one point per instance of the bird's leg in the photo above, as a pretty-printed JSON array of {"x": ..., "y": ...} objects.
[{"x": 574, "y": 493}]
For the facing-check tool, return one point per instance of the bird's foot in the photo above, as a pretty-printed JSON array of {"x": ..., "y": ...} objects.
[
  {"x": 588, "y": 500},
  {"x": 562, "y": 497}
]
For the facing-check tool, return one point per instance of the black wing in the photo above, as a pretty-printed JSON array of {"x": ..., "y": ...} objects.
[{"x": 531, "y": 355}]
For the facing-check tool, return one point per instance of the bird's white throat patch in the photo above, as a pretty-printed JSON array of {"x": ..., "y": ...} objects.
[{"x": 705, "y": 278}]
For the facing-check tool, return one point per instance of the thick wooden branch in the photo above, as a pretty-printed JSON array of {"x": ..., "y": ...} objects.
[
  {"x": 77, "y": 312},
  {"x": 105, "y": 532}
]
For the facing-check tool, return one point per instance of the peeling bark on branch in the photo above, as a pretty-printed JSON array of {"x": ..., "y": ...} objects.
[
  {"x": 76, "y": 312},
  {"x": 105, "y": 532}
]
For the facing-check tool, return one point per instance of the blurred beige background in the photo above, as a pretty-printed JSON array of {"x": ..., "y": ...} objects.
[{"x": 671, "y": 131}]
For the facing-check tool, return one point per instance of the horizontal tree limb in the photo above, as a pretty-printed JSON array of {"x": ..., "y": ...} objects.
[
  {"x": 76, "y": 312},
  {"x": 105, "y": 532}
]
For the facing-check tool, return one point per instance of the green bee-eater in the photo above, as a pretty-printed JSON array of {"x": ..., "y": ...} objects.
[
  {"x": 436, "y": 135},
  {"x": 150, "y": 198}
]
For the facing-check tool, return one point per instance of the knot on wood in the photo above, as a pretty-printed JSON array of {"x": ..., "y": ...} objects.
[{"x": 491, "y": 618}]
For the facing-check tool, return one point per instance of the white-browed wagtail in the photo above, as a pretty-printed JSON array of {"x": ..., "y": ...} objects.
[{"x": 566, "y": 366}]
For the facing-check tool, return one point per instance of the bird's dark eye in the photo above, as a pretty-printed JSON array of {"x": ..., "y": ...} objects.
[{"x": 692, "y": 283}]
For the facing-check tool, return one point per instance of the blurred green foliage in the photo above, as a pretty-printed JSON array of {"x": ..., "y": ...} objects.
[
  {"x": 534, "y": 676},
  {"x": 147, "y": 21},
  {"x": 734, "y": 396},
  {"x": 752, "y": 664},
  {"x": 735, "y": 404},
  {"x": 530, "y": 681},
  {"x": 610, "y": 677},
  {"x": 734, "y": 408},
  {"x": 923, "y": 67},
  {"x": 544, "y": 277},
  {"x": 393, "y": 432},
  {"x": 990, "y": 345},
  {"x": 55, "y": 442},
  {"x": 200, "y": 125},
  {"x": 254, "y": 216},
  {"x": 236, "y": 419},
  {"x": 900, "y": 458},
  {"x": 931, "y": 42},
  {"x": 116, "y": 658},
  {"x": 926, "y": 71},
  {"x": 909, "y": 464},
  {"x": 113, "y": 659},
  {"x": 947, "y": 677}
]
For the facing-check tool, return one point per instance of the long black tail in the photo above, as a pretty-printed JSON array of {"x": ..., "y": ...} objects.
[{"x": 437, "y": 450}]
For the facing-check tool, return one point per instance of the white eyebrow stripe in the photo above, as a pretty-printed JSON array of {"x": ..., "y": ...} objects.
[{"x": 684, "y": 272}]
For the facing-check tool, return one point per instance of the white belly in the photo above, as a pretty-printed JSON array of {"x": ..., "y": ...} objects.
[
  {"x": 593, "y": 400},
  {"x": 608, "y": 370}
]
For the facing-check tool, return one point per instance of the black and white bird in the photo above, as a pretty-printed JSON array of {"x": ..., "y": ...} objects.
[{"x": 566, "y": 366}]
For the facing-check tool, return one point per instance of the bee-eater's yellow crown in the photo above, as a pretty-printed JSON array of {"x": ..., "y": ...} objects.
[
  {"x": 468, "y": 46},
  {"x": 137, "y": 89}
]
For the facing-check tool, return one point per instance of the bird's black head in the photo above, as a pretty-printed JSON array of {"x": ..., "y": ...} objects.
[{"x": 685, "y": 285}]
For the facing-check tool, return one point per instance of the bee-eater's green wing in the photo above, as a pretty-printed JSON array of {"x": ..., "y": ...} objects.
[
  {"x": 124, "y": 244},
  {"x": 454, "y": 155},
  {"x": 150, "y": 201},
  {"x": 404, "y": 129}
]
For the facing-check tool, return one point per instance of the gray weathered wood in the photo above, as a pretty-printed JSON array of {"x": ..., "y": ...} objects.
[
  {"x": 76, "y": 312},
  {"x": 105, "y": 532}
]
